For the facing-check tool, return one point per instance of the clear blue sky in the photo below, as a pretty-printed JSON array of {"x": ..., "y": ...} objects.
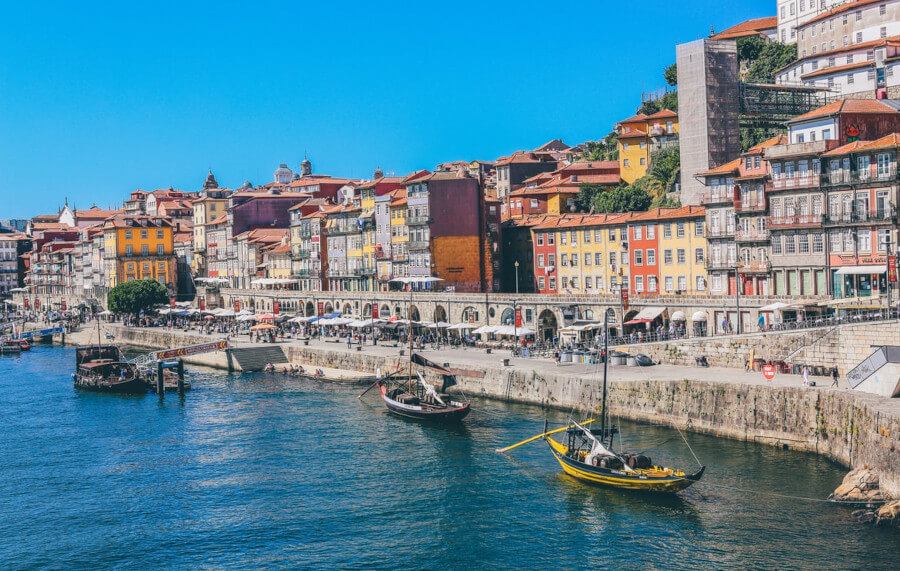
[{"x": 96, "y": 101}]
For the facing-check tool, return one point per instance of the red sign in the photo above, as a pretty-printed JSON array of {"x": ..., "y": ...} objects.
[
  {"x": 237, "y": 306},
  {"x": 26, "y": 303},
  {"x": 63, "y": 305},
  {"x": 374, "y": 312},
  {"x": 769, "y": 372},
  {"x": 892, "y": 269},
  {"x": 276, "y": 306},
  {"x": 518, "y": 317},
  {"x": 624, "y": 293},
  {"x": 172, "y": 302},
  {"x": 321, "y": 308},
  {"x": 202, "y": 304},
  {"x": 37, "y": 303}
]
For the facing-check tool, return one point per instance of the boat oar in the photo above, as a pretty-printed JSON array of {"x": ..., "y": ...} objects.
[
  {"x": 373, "y": 385},
  {"x": 533, "y": 438}
]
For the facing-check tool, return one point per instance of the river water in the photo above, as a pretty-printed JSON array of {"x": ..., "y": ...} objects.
[{"x": 256, "y": 471}]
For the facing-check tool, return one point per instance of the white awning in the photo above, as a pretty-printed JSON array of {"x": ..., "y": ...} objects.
[
  {"x": 679, "y": 316},
  {"x": 699, "y": 316},
  {"x": 861, "y": 270},
  {"x": 778, "y": 305},
  {"x": 650, "y": 313}
]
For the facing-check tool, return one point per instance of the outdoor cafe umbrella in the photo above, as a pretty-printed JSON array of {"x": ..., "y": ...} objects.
[
  {"x": 267, "y": 317},
  {"x": 263, "y": 327}
]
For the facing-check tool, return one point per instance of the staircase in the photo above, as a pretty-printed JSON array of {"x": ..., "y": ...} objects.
[{"x": 256, "y": 358}]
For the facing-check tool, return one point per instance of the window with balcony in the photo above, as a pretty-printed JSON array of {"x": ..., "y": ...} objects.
[{"x": 864, "y": 240}]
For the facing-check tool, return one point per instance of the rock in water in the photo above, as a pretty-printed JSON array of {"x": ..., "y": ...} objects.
[
  {"x": 864, "y": 516},
  {"x": 889, "y": 514},
  {"x": 860, "y": 485}
]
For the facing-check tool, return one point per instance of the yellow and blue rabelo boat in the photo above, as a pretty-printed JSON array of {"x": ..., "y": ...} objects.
[
  {"x": 588, "y": 454},
  {"x": 584, "y": 457}
]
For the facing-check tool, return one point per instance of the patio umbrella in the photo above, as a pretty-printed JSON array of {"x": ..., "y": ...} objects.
[
  {"x": 263, "y": 327},
  {"x": 267, "y": 317},
  {"x": 210, "y": 317}
]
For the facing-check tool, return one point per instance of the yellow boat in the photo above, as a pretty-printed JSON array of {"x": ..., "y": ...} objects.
[{"x": 588, "y": 460}]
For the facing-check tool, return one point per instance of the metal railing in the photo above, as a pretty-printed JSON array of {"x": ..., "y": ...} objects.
[
  {"x": 719, "y": 264},
  {"x": 750, "y": 205},
  {"x": 719, "y": 232},
  {"x": 883, "y": 215},
  {"x": 752, "y": 235},
  {"x": 418, "y": 245},
  {"x": 843, "y": 177},
  {"x": 809, "y": 220},
  {"x": 755, "y": 266},
  {"x": 717, "y": 197},
  {"x": 810, "y": 180},
  {"x": 417, "y": 220}
]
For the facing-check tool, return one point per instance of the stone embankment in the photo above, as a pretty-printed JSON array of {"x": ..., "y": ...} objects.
[
  {"x": 844, "y": 346},
  {"x": 852, "y": 428}
]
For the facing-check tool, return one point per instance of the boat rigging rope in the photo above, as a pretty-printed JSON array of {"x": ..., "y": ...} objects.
[
  {"x": 689, "y": 446},
  {"x": 790, "y": 497}
]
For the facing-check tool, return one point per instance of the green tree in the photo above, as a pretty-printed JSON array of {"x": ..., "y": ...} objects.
[
  {"x": 761, "y": 59},
  {"x": 587, "y": 193},
  {"x": 749, "y": 48},
  {"x": 671, "y": 74},
  {"x": 668, "y": 101},
  {"x": 136, "y": 296},
  {"x": 622, "y": 199},
  {"x": 665, "y": 167},
  {"x": 605, "y": 149}
]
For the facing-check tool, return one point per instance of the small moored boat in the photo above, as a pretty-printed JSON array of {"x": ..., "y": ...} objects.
[{"x": 103, "y": 368}]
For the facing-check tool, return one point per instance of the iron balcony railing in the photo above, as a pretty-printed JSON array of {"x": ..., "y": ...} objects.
[
  {"x": 418, "y": 245},
  {"x": 752, "y": 205},
  {"x": 717, "y": 197},
  {"x": 810, "y": 180},
  {"x": 302, "y": 253},
  {"x": 719, "y": 232},
  {"x": 796, "y": 221},
  {"x": 719, "y": 264},
  {"x": 885, "y": 215},
  {"x": 853, "y": 177},
  {"x": 418, "y": 220},
  {"x": 751, "y": 235}
]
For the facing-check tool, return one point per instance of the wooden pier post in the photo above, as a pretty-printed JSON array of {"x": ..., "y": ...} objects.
[
  {"x": 160, "y": 382},
  {"x": 181, "y": 377}
]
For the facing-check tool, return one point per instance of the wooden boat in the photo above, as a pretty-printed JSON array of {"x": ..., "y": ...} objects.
[
  {"x": 24, "y": 344},
  {"x": 414, "y": 398},
  {"x": 103, "y": 368},
  {"x": 588, "y": 455}
]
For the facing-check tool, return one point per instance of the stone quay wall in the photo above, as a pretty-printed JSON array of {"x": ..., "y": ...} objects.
[{"x": 851, "y": 428}]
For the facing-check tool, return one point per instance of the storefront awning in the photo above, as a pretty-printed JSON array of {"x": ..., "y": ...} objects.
[
  {"x": 648, "y": 314},
  {"x": 679, "y": 316},
  {"x": 861, "y": 270},
  {"x": 847, "y": 302},
  {"x": 699, "y": 316}
]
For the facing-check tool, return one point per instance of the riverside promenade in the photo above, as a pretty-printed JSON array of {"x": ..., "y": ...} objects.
[{"x": 853, "y": 428}]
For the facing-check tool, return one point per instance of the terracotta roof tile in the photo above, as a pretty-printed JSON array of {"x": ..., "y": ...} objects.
[
  {"x": 849, "y": 6},
  {"x": 748, "y": 28},
  {"x": 846, "y": 106},
  {"x": 727, "y": 168}
]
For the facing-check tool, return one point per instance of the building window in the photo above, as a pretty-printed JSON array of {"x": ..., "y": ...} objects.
[
  {"x": 159, "y": 249},
  {"x": 882, "y": 33},
  {"x": 651, "y": 232},
  {"x": 540, "y": 239},
  {"x": 587, "y": 283},
  {"x": 682, "y": 256},
  {"x": 541, "y": 283},
  {"x": 818, "y": 243},
  {"x": 625, "y": 148},
  {"x": 598, "y": 259},
  {"x": 643, "y": 161},
  {"x": 638, "y": 257},
  {"x": 540, "y": 260},
  {"x": 552, "y": 284},
  {"x": 667, "y": 257},
  {"x": 667, "y": 230},
  {"x": 638, "y": 232},
  {"x": 145, "y": 250},
  {"x": 626, "y": 163},
  {"x": 587, "y": 236},
  {"x": 682, "y": 283},
  {"x": 651, "y": 283},
  {"x": 639, "y": 284},
  {"x": 564, "y": 260},
  {"x": 679, "y": 229},
  {"x": 669, "y": 282},
  {"x": 128, "y": 234},
  {"x": 129, "y": 250},
  {"x": 698, "y": 255},
  {"x": 651, "y": 257},
  {"x": 701, "y": 284}
]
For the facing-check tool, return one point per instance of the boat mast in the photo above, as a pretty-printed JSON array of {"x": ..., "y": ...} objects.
[{"x": 605, "y": 365}]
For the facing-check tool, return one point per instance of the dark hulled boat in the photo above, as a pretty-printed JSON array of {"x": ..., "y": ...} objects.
[
  {"x": 414, "y": 398},
  {"x": 103, "y": 368}
]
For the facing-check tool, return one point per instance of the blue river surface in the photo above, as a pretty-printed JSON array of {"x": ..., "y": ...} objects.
[{"x": 256, "y": 471}]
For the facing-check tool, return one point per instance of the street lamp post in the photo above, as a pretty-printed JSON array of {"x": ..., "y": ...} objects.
[
  {"x": 737, "y": 297},
  {"x": 517, "y": 276},
  {"x": 515, "y": 325}
]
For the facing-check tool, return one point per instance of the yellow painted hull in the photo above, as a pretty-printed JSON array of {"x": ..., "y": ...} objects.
[{"x": 655, "y": 479}]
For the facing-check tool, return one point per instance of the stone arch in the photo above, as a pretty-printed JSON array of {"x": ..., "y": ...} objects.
[
  {"x": 397, "y": 310},
  {"x": 367, "y": 310},
  {"x": 470, "y": 315},
  {"x": 413, "y": 313},
  {"x": 587, "y": 314},
  {"x": 310, "y": 309},
  {"x": 547, "y": 325},
  {"x": 348, "y": 309},
  {"x": 385, "y": 311},
  {"x": 328, "y": 308},
  {"x": 440, "y": 314},
  {"x": 508, "y": 316}
]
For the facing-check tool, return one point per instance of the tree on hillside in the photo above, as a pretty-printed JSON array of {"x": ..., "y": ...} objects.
[
  {"x": 763, "y": 59},
  {"x": 671, "y": 74},
  {"x": 622, "y": 199},
  {"x": 668, "y": 101},
  {"x": 605, "y": 149},
  {"x": 136, "y": 296},
  {"x": 665, "y": 167}
]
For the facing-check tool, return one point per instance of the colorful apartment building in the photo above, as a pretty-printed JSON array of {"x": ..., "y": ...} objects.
[
  {"x": 139, "y": 248},
  {"x": 639, "y": 136}
]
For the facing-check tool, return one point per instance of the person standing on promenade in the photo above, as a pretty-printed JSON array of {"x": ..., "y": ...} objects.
[
  {"x": 805, "y": 375},
  {"x": 834, "y": 376}
]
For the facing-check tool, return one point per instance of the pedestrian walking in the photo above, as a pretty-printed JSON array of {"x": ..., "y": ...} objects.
[
  {"x": 556, "y": 357},
  {"x": 805, "y": 375},
  {"x": 834, "y": 376}
]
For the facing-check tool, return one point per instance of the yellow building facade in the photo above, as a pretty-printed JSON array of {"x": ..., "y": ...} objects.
[
  {"x": 205, "y": 211},
  {"x": 639, "y": 137},
  {"x": 139, "y": 248},
  {"x": 682, "y": 252}
]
